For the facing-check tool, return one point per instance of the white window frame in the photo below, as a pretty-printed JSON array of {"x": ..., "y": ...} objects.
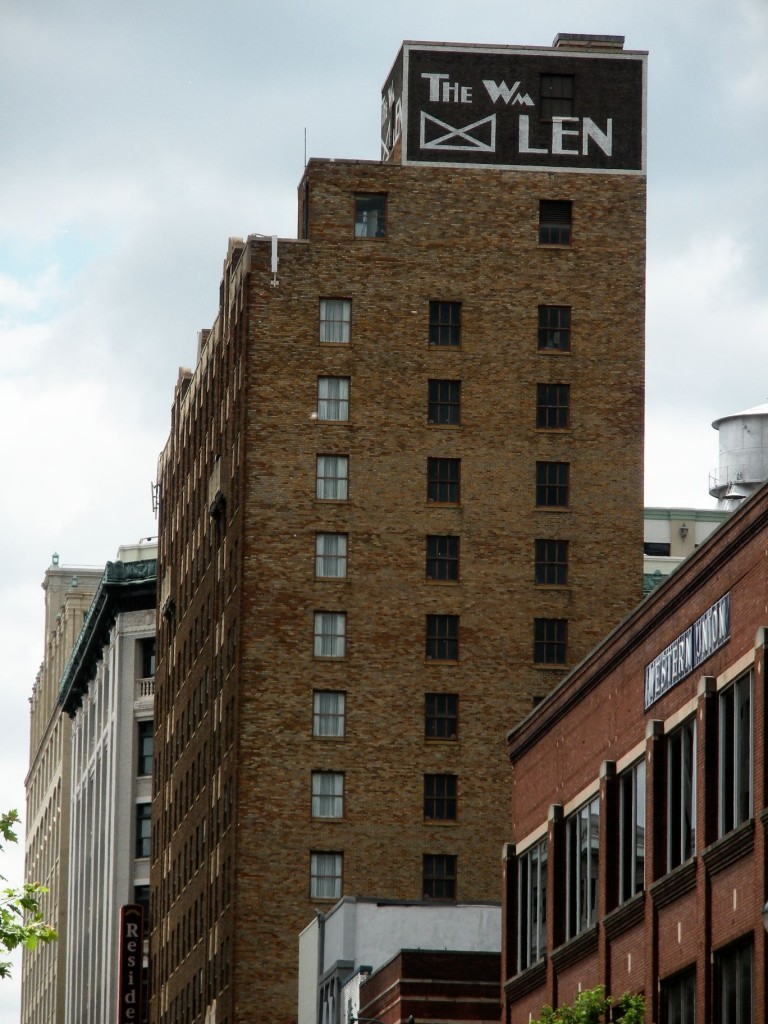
[
  {"x": 736, "y": 741},
  {"x": 325, "y": 875},
  {"x": 335, "y": 321},
  {"x": 329, "y": 713},
  {"x": 332, "y": 477},
  {"x": 532, "y": 905},
  {"x": 632, "y": 795},
  {"x": 582, "y": 831},
  {"x": 333, "y": 399},
  {"x": 331, "y": 556},
  {"x": 330, "y": 634},
  {"x": 681, "y": 795},
  {"x": 327, "y": 794}
]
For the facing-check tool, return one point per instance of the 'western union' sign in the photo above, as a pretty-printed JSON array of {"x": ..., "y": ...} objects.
[{"x": 688, "y": 651}]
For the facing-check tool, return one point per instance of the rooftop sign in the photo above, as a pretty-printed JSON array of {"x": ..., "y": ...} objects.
[
  {"x": 514, "y": 107},
  {"x": 688, "y": 651}
]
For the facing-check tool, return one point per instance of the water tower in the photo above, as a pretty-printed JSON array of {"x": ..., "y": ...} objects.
[{"x": 743, "y": 456}]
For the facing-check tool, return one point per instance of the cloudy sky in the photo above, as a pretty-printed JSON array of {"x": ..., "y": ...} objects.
[{"x": 137, "y": 137}]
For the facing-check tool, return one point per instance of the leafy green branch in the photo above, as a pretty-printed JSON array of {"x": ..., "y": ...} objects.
[{"x": 21, "y": 920}]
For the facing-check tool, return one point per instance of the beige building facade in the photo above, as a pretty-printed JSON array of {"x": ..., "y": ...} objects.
[{"x": 68, "y": 593}]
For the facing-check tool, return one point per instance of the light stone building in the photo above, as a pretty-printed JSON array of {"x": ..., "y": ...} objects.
[
  {"x": 68, "y": 593},
  {"x": 108, "y": 692}
]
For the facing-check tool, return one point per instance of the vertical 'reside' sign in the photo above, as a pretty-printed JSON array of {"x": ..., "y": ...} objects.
[
  {"x": 516, "y": 107},
  {"x": 130, "y": 959}
]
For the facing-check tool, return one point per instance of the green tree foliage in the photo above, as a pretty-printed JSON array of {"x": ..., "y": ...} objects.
[
  {"x": 593, "y": 1007},
  {"x": 21, "y": 923}
]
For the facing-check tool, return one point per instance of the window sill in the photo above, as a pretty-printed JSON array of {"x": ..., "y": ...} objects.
[
  {"x": 553, "y": 508},
  {"x": 441, "y": 583},
  {"x": 327, "y": 657},
  {"x": 332, "y": 579},
  {"x": 550, "y": 667},
  {"x": 443, "y": 504},
  {"x": 329, "y": 821},
  {"x": 554, "y": 430},
  {"x": 449, "y": 822},
  {"x": 451, "y": 426},
  {"x": 554, "y": 351},
  {"x": 441, "y": 661}
]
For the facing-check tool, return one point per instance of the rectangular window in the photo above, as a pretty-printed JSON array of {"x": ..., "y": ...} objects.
[
  {"x": 552, "y": 484},
  {"x": 442, "y": 557},
  {"x": 582, "y": 832},
  {"x": 532, "y": 905},
  {"x": 444, "y": 402},
  {"x": 330, "y": 634},
  {"x": 441, "y": 716},
  {"x": 370, "y": 216},
  {"x": 442, "y": 638},
  {"x": 146, "y": 739},
  {"x": 440, "y": 797},
  {"x": 681, "y": 794},
  {"x": 551, "y": 562},
  {"x": 555, "y": 328},
  {"x": 147, "y": 654},
  {"x": 143, "y": 829},
  {"x": 550, "y": 641},
  {"x": 736, "y": 754},
  {"x": 332, "y": 477},
  {"x": 556, "y": 96},
  {"x": 733, "y": 971},
  {"x": 678, "y": 999},
  {"x": 553, "y": 403},
  {"x": 325, "y": 876},
  {"x": 335, "y": 321},
  {"x": 328, "y": 713},
  {"x": 331, "y": 555},
  {"x": 444, "y": 481},
  {"x": 327, "y": 795},
  {"x": 631, "y": 831},
  {"x": 445, "y": 324},
  {"x": 555, "y": 221},
  {"x": 439, "y": 874},
  {"x": 333, "y": 399},
  {"x": 657, "y": 550}
]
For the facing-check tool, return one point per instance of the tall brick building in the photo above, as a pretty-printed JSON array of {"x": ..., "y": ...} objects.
[{"x": 401, "y": 495}]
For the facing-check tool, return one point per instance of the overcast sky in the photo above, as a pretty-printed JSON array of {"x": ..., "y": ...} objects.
[{"x": 137, "y": 137}]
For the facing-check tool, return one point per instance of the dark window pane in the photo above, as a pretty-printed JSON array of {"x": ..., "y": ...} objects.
[
  {"x": 549, "y": 641},
  {"x": 439, "y": 877},
  {"x": 145, "y": 744},
  {"x": 443, "y": 477},
  {"x": 555, "y": 328},
  {"x": 441, "y": 716},
  {"x": 552, "y": 480},
  {"x": 442, "y": 637},
  {"x": 444, "y": 401},
  {"x": 551, "y": 562},
  {"x": 445, "y": 323},
  {"x": 553, "y": 406},
  {"x": 440, "y": 797},
  {"x": 555, "y": 221},
  {"x": 442, "y": 557},
  {"x": 370, "y": 216}
]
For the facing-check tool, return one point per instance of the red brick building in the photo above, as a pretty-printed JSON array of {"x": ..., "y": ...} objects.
[
  {"x": 384, "y": 521},
  {"x": 639, "y": 803}
]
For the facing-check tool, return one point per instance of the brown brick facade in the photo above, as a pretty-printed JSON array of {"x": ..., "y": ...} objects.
[
  {"x": 236, "y": 669},
  {"x": 693, "y": 911}
]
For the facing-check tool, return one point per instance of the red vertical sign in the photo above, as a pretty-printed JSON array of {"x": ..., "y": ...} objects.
[{"x": 130, "y": 962}]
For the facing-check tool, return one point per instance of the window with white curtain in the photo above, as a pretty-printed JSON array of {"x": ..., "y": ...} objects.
[
  {"x": 335, "y": 320},
  {"x": 331, "y": 555},
  {"x": 330, "y": 634},
  {"x": 327, "y": 795},
  {"x": 325, "y": 876},
  {"x": 333, "y": 399},
  {"x": 328, "y": 713},
  {"x": 332, "y": 477}
]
